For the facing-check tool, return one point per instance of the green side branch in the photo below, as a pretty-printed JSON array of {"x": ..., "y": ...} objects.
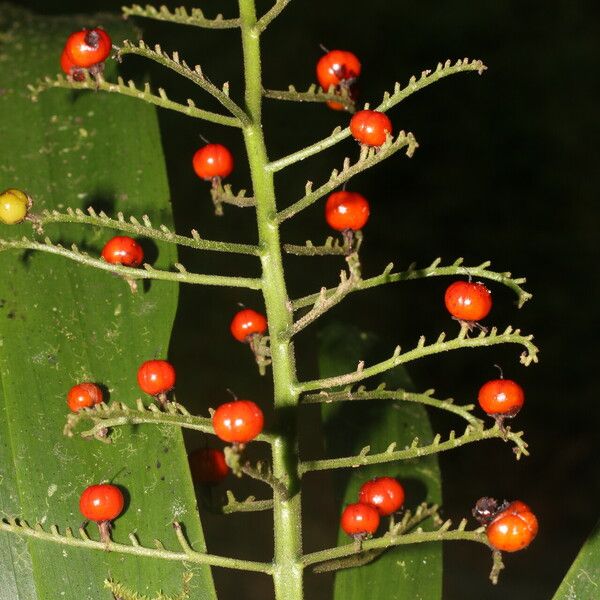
[
  {"x": 117, "y": 414},
  {"x": 485, "y": 338},
  {"x": 472, "y": 434},
  {"x": 250, "y": 504},
  {"x": 433, "y": 270},
  {"x": 131, "y": 273},
  {"x": 187, "y": 554},
  {"x": 369, "y": 157},
  {"x": 180, "y": 15},
  {"x": 130, "y": 89},
  {"x": 425, "y": 398},
  {"x": 389, "y": 100},
  {"x": 180, "y": 67},
  {"x": 144, "y": 229},
  {"x": 313, "y": 94}
]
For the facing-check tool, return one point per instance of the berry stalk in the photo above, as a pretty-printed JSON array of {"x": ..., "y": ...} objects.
[{"x": 288, "y": 571}]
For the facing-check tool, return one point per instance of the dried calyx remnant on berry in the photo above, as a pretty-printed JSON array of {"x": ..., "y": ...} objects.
[
  {"x": 208, "y": 466},
  {"x": 339, "y": 69},
  {"x": 15, "y": 205},
  {"x": 509, "y": 526},
  {"x": 84, "y": 395},
  {"x": 157, "y": 378},
  {"x": 238, "y": 422},
  {"x": 85, "y": 50},
  {"x": 370, "y": 127},
  {"x": 102, "y": 504}
]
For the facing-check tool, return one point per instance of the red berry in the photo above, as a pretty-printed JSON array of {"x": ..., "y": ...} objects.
[
  {"x": 468, "y": 301},
  {"x": 84, "y": 395},
  {"x": 208, "y": 466},
  {"x": 383, "y": 493},
  {"x": 123, "y": 250},
  {"x": 370, "y": 127},
  {"x": 346, "y": 210},
  {"x": 102, "y": 502},
  {"x": 156, "y": 377},
  {"x": 88, "y": 47},
  {"x": 501, "y": 397},
  {"x": 360, "y": 519},
  {"x": 513, "y": 528},
  {"x": 336, "y": 67},
  {"x": 247, "y": 322},
  {"x": 213, "y": 160},
  {"x": 238, "y": 422}
]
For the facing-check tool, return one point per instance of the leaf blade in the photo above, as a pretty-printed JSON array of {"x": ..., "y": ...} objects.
[{"x": 61, "y": 324}]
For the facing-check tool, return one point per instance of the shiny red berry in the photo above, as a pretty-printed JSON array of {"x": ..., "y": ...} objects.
[
  {"x": 360, "y": 519},
  {"x": 346, "y": 210},
  {"x": 238, "y": 422},
  {"x": 336, "y": 67},
  {"x": 370, "y": 127},
  {"x": 123, "y": 250},
  {"x": 383, "y": 493},
  {"x": 246, "y": 323},
  {"x": 213, "y": 160},
  {"x": 156, "y": 377},
  {"x": 88, "y": 47},
  {"x": 501, "y": 397},
  {"x": 513, "y": 528},
  {"x": 208, "y": 466},
  {"x": 103, "y": 502},
  {"x": 468, "y": 301},
  {"x": 84, "y": 395}
]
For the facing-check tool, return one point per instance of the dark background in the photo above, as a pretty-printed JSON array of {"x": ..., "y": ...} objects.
[{"x": 507, "y": 170}]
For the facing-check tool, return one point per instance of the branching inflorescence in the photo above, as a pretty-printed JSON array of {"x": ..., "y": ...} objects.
[{"x": 285, "y": 474}]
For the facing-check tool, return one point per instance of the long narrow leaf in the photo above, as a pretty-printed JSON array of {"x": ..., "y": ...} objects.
[{"x": 61, "y": 324}]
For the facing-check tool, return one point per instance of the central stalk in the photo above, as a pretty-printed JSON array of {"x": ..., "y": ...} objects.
[{"x": 287, "y": 508}]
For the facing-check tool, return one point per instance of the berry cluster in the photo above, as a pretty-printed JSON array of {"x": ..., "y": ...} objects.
[
  {"x": 155, "y": 377},
  {"x": 85, "y": 50},
  {"x": 380, "y": 497},
  {"x": 509, "y": 527}
]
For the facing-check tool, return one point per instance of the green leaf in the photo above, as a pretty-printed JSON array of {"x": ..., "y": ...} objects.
[
  {"x": 62, "y": 323},
  {"x": 583, "y": 578},
  {"x": 410, "y": 571}
]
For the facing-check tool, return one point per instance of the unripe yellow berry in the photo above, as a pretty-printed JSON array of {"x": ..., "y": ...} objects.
[{"x": 14, "y": 206}]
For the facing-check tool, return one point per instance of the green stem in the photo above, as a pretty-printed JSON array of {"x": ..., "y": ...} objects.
[{"x": 288, "y": 572}]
